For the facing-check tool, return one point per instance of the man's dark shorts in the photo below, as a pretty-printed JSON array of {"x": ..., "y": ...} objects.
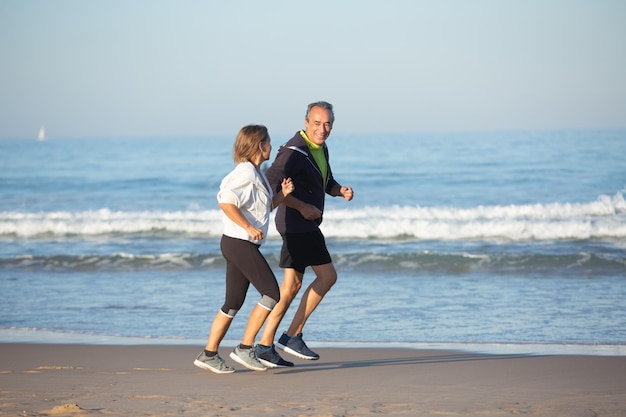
[{"x": 303, "y": 249}]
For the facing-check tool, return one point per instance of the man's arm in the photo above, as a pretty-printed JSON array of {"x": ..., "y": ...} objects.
[
  {"x": 341, "y": 191},
  {"x": 308, "y": 211}
]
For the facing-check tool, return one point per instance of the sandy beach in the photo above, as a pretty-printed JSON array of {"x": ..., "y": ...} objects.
[{"x": 91, "y": 380}]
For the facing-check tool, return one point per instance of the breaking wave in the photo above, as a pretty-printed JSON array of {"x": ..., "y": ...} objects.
[{"x": 602, "y": 219}]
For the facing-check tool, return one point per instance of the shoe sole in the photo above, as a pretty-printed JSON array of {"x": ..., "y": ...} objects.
[
  {"x": 272, "y": 364},
  {"x": 240, "y": 361},
  {"x": 296, "y": 353},
  {"x": 203, "y": 365}
]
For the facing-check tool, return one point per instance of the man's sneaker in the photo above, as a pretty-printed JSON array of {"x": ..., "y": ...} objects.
[
  {"x": 270, "y": 358},
  {"x": 295, "y": 346},
  {"x": 247, "y": 358},
  {"x": 213, "y": 364}
]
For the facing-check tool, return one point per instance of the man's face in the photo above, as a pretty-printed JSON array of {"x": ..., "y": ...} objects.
[{"x": 319, "y": 125}]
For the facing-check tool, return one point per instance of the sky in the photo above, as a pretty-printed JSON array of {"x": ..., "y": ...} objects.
[{"x": 155, "y": 68}]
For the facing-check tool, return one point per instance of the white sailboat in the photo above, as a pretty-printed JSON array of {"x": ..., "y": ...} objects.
[{"x": 42, "y": 134}]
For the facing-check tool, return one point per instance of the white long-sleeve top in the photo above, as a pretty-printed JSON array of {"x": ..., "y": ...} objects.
[{"x": 249, "y": 190}]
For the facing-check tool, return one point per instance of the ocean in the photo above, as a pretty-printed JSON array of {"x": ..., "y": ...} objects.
[{"x": 510, "y": 239}]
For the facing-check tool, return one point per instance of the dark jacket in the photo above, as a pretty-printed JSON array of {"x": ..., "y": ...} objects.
[{"x": 294, "y": 161}]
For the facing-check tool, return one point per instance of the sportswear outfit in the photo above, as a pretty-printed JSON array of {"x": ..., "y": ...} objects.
[
  {"x": 303, "y": 242},
  {"x": 250, "y": 191},
  {"x": 294, "y": 160}
]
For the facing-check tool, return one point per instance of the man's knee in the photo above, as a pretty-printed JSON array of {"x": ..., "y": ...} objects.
[
  {"x": 328, "y": 281},
  {"x": 288, "y": 292},
  {"x": 326, "y": 274},
  {"x": 325, "y": 280},
  {"x": 292, "y": 283}
]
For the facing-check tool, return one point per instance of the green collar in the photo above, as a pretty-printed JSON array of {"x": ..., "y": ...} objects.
[{"x": 310, "y": 144}]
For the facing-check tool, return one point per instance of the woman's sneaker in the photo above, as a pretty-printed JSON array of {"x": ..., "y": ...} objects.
[
  {"x": 295, "y": 345},
  {"x": 247, "y": 358},
  {"x": 213, "y": 364},
  {"x": 270, "y": 358}
]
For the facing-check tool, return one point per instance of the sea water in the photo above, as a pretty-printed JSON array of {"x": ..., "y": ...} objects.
[{"x": 504, "y": 238}]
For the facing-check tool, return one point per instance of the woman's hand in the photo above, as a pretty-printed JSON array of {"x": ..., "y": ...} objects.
[
  {"x": 287, "y": 186},
  {"x": 254, "y": 232}
]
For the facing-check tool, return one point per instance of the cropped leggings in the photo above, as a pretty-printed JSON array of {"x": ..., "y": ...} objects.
[{"x": 244, "y": 265}]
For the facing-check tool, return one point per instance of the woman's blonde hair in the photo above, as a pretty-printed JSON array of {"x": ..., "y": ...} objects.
[{"x": 247, "y": 142}]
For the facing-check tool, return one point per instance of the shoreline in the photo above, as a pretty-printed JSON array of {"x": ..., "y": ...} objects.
[
  {"x": 36, "y": 336},
  {"x": 161, "y": 380}
]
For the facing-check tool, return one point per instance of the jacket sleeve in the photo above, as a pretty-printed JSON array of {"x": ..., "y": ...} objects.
[{"x": 330, "y": 184}]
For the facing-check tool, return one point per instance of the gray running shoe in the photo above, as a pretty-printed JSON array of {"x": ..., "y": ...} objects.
[
  {"x": 247, "y": 358},
  {"x": 270, "y": 358},
  {"x": 295, "y": 346},
  {"x": 213, "y": 364}
]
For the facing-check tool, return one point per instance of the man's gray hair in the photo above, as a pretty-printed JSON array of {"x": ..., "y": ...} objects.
[{"x": 323, "y": 104}]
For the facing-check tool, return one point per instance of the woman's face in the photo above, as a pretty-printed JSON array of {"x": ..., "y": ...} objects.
[{"x": 266, "y": 149}]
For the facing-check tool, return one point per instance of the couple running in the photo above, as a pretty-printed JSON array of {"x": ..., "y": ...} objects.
[{"x": 296, "y": 185}]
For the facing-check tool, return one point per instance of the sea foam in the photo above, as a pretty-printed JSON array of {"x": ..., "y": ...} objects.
[{"x": 604, "y": 218}]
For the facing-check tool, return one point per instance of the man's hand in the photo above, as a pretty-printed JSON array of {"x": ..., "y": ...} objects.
[
  {"x": 310, "y": 212},
  {"x": 347, "y": 193}
]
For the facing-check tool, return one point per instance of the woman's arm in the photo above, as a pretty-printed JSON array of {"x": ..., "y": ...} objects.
[{"x": 234, "y": 214}]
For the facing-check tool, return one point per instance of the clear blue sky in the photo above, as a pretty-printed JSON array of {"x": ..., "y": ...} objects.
[{"x": 188, "y": 67}]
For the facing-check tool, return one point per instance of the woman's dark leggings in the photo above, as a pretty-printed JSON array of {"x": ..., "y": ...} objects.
[{"x": 244, "y": 265}]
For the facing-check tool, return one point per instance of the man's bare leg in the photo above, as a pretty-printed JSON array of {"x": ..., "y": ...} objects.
[
  {"x": 326, "y": 276},
  {"x": 292, "y": 282}
]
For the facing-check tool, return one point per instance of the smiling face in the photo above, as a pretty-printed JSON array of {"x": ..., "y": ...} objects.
[{"x": 318, "y": 125}]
